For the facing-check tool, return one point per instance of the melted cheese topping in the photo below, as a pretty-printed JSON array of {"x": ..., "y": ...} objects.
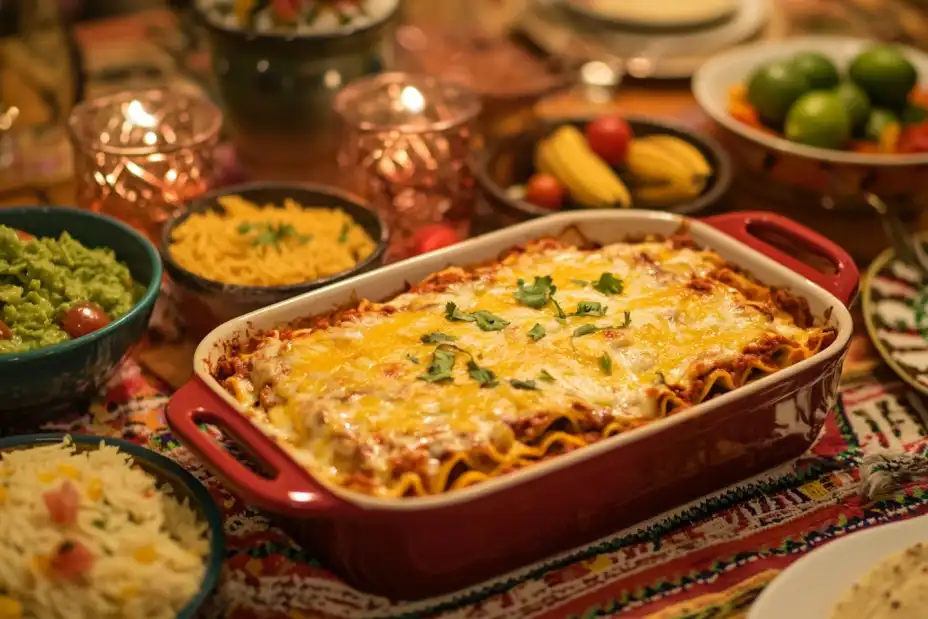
[{"x": 351, "y": 398}]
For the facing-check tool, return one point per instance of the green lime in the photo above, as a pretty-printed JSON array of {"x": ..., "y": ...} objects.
[
  {"x": 819, "y": 118},
  {"x": 856, "y": 102},
  {"x": 913, "y": 115},
  {"x": 885, "y": 74},
  {"x": 773, "y": 88},
  {"x": 818, "y": 69},
  {"x": 880, "y": 120}
]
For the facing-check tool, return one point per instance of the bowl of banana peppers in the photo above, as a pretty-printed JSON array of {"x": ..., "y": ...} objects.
[{"x": 606, "y": 161}]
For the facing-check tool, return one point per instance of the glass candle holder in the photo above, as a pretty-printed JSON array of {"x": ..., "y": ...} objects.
[
  {"x": 406, "y": 148},
  {"x": 139, "y": 156}
]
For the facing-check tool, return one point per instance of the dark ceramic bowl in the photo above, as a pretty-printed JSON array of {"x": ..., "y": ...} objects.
[
  {"x": 172, "y": 478},
  {"x": 509, "y": 161},
  {"x": 39, "y": 384},
  {"x": 205, "y": 303},
  {"x": 276, "y": 85}
]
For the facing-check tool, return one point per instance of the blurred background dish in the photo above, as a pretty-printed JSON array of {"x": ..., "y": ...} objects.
[
  {"x": 277, "y": 84},
  {"x": 205, "y": 303},
  {"x": 509, "y": 179},
  {"x": 171, "y": 479},
  {"x": 41, "y": 384},
  {"x": 689, "y": 14},
  {"x": 838, "y": 178}
]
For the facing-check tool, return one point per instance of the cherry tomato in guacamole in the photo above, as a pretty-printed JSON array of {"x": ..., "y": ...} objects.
[
  {"x": 5, "y": 332},
  {"x": 545, "y": 190},
  {"x": 914, "y": 139},
  {"x": 609, "y": 137},
  {"x": 434, "y": 236},
  {"x": 84, "y": 318},
  {"x": 23, "y": 236}
]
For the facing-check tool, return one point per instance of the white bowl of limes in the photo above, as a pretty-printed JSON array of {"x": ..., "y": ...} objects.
[{"x": 832, "y": 99}]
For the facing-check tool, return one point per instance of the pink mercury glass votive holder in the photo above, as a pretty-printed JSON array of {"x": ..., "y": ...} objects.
[
  {"x": 139, "y": 156},
  {"x": 407, "y": 143}
]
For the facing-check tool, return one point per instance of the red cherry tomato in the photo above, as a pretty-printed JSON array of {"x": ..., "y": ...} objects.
[
  {"x": 914, "y": 139},
  {"x": 608, "y": 137},
  {"x": 287, "y": 10},
  {"x": 5, "y": 332},
  {"x": 545, "y": 190},
  {"x": 24, "y": 236},
  {"x": 434, "y": 236},
  {"x": 84, "y": 318}
]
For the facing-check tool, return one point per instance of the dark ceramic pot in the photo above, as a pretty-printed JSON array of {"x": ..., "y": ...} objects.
[
  {"x": 273, "y": 84},
  {"x": 41, "y": 384},
  {"x": 205, "y": 304},
  {"x": 509, "y": 161}
]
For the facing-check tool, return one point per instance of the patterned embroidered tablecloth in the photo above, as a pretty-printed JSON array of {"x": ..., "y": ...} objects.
[{"x": 707, "y": 559}]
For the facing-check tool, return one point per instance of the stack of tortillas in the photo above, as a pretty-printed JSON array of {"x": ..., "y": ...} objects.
[
  {"x": 897, "y": 588},
  {"x": 660, "y": 12}
]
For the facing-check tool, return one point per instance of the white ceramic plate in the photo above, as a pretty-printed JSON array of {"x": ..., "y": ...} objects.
[
  {"x": 715, "y": 79},
  {"x": 677, "y": 55},
  {"x": 656, "y": 13},
  {"x": 812, "y": 586}
]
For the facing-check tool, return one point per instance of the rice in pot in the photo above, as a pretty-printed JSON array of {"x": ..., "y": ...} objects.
[{"x": 89, "y": 535}]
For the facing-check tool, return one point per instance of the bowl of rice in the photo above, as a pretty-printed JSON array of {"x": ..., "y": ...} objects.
[
  {"x": 249, "y": 246},
  {"x": 99, "y": 528}
]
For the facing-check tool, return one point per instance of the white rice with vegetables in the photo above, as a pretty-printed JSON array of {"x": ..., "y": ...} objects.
[{"x": 89, "y": 535}]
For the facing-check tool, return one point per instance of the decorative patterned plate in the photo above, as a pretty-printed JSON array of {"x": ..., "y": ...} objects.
[{"x": 895, "y": 309}]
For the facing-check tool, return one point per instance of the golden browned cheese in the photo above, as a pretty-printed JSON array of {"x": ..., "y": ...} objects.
[{"x": 477, "y": 372}]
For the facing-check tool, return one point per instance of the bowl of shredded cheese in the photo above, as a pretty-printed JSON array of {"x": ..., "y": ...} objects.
[
  {"x": 249, "y": 246},
  {"x": 99, "y": 528}
]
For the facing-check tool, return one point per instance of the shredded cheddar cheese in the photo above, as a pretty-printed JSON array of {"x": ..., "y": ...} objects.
[{"x": 475, "y": 373}]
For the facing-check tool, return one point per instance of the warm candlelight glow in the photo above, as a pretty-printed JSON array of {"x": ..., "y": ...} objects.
[
  {"x": 136, "y": 114},
  {"x": 140, "y": 156},
  {"x": 412, "y": 99}
]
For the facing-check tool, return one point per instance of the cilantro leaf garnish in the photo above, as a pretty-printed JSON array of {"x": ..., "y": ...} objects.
[
  {"x": 537, "y": 332},
  {"x": 269, "y": 233},
  {"x": 558, "y": 312},
  {"x": 343, "y": 235},
  {"x": 526, "y": 385},
  {"x": 545, "y": 376},
  {"x": 605, "y": 364},
  {"x": 412, "y": 358},
  {"x": 586, "y": 330},
  {"x": 489, "y": 322},
  {"x": 580, "y": 282},
  {"x": 453, "y": 314},
  {"x": 609, "y": 284},
  {"x": 484, "y": 376},
  {"x": 440, "y": 367},
  {"x": 538, "y": 294},
  {"x": 590, "y": 308},
  {"x": 627, "y": 321},
  {"x": 436, "y": 338}
]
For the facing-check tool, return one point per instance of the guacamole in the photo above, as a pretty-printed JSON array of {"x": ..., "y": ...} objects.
[{"x": 41, "y": 279}]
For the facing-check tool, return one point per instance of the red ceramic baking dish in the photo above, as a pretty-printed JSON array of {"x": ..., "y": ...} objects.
[{"x": 416, "y": 547}]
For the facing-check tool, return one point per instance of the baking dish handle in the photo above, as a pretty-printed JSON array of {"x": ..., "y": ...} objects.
[
  {"x": 743, "y": 226},
  {"x": 290, "y": 490}
]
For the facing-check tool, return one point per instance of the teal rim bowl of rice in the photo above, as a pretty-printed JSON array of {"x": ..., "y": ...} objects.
[{"x": 100, "y": 528}]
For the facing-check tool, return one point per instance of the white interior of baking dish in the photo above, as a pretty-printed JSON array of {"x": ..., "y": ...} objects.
[{"x": 597, "y": 226}]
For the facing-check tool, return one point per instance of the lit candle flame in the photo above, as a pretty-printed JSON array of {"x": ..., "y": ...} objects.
[
  {"x": 136, "y": 114},
  {"x": 412, "y": 99}
]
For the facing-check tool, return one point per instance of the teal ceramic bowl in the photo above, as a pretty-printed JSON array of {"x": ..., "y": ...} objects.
[
  {"x": 171, "y": 478},
  {"x": 39, "y": 385}
]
